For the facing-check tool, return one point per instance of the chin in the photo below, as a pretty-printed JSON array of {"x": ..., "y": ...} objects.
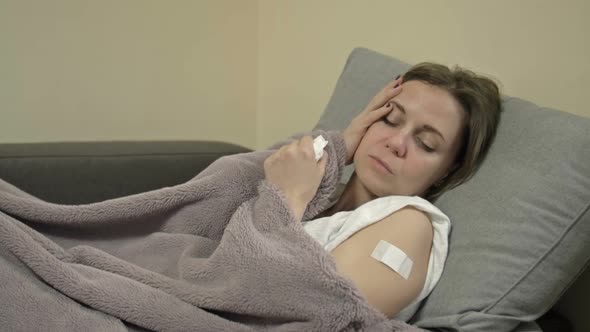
[{"x": 373, "y": 184}]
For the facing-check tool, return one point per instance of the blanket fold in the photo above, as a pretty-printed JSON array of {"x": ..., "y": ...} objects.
[{"x": 221, "y": 252}]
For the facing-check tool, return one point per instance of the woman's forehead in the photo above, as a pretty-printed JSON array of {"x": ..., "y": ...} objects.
[
  {"x": 431, "y": 105},
  {"x": 427, "y": 98}
]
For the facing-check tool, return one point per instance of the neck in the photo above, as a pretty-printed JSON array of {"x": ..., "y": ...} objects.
[{"x": 353, "y": 196}]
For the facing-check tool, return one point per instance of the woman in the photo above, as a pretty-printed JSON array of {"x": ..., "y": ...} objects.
[{"x": 421, "y": 135}]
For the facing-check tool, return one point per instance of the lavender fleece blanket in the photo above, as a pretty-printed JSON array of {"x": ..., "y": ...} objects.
[{"x": 221, "y": 252}]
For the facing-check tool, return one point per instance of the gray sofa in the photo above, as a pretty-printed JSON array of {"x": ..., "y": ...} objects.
[{"x": 538, "y": 283}]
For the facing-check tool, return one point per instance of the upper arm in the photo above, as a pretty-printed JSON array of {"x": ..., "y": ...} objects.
[{"x": 408, "y": 229}]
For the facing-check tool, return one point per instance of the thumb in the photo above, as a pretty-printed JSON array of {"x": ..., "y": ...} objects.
[{"x": 323, "y": 162}]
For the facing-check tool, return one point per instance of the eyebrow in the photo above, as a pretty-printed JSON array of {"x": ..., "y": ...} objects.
[{"x": 426, "y": 127}]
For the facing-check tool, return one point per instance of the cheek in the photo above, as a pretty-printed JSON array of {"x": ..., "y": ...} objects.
[
  {"x": 367, "y": 143},
  {"x": 422, "y": 167},
  {"x": 375, "y": 133}
]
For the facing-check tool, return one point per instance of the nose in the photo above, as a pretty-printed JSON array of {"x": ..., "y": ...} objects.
[{"x": 398, "y": 144}]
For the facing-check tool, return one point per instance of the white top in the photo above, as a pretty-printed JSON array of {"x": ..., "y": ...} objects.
[{"x": 333, "y": 230}]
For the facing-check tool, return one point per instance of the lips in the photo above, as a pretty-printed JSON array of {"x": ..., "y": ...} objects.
[{"x": 384, "y": 164}]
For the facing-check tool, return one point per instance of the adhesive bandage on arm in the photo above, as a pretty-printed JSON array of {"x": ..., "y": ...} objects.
[
  {"x": 319, "y": 143},
  {"x": 393, "y": 257}
]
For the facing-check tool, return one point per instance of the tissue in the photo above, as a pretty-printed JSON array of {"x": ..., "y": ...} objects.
[{"x": 319, "y": 143}]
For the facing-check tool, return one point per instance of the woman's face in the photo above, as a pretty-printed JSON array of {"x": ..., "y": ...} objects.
[{"x": 412, "y": 147}]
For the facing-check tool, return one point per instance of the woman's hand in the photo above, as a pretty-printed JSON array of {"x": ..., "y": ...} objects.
[
  {"x": 376, "y": 109},
  {"x": 295, "y": 171}
]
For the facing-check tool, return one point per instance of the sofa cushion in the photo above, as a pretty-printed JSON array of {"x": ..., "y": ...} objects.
[{"x": 521, "y": 225}]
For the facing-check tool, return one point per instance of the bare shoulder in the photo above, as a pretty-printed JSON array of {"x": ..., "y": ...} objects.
[
  {"x": 408, "y": 229},
  {"x": 407, "y": 226}
]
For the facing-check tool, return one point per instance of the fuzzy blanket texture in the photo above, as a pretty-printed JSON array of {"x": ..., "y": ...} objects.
[{"x": 221, "y": 252}]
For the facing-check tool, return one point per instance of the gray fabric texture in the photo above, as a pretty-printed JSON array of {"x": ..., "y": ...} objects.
[
  {"x": 221, "y": 252},
  {"x": 87, "y": 172},
  {"x": 520, "y": 227}
]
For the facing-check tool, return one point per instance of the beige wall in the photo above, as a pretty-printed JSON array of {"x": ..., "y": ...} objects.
[
  {"x": 123, "y": 69},
  {"x": 538, "y": 49},
  {"x": 254, "y": 71}
]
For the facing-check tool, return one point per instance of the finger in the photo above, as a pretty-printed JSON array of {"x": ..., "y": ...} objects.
[
  {"x": 390, "y": 91},
  {"x": 396, "y": 81},
  {"x": 385, "y": 96},
  {"x": 305, "y": 141},
  {"x": 283, "y": 149},
  {"x": 295, "y": 144},
  {"x": 323, "y": 162},
  {"x": 378, "y": 113},
  {"x": 306, "y": 146}
]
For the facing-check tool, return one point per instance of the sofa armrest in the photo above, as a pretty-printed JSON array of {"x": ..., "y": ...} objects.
[{"x": 86, "y": 172}]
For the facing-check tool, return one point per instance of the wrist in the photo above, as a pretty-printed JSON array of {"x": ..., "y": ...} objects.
[
  {"x": 349, "y": 150},
  {"x": 298, "y": 208}
]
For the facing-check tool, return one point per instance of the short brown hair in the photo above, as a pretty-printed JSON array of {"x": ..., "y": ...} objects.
[{"x": 479, "y": 97}]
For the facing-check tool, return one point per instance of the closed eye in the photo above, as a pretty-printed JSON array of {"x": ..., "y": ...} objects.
[
  {"x": 426, "y": 147},
  {"x": 420, "y": 143}
]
